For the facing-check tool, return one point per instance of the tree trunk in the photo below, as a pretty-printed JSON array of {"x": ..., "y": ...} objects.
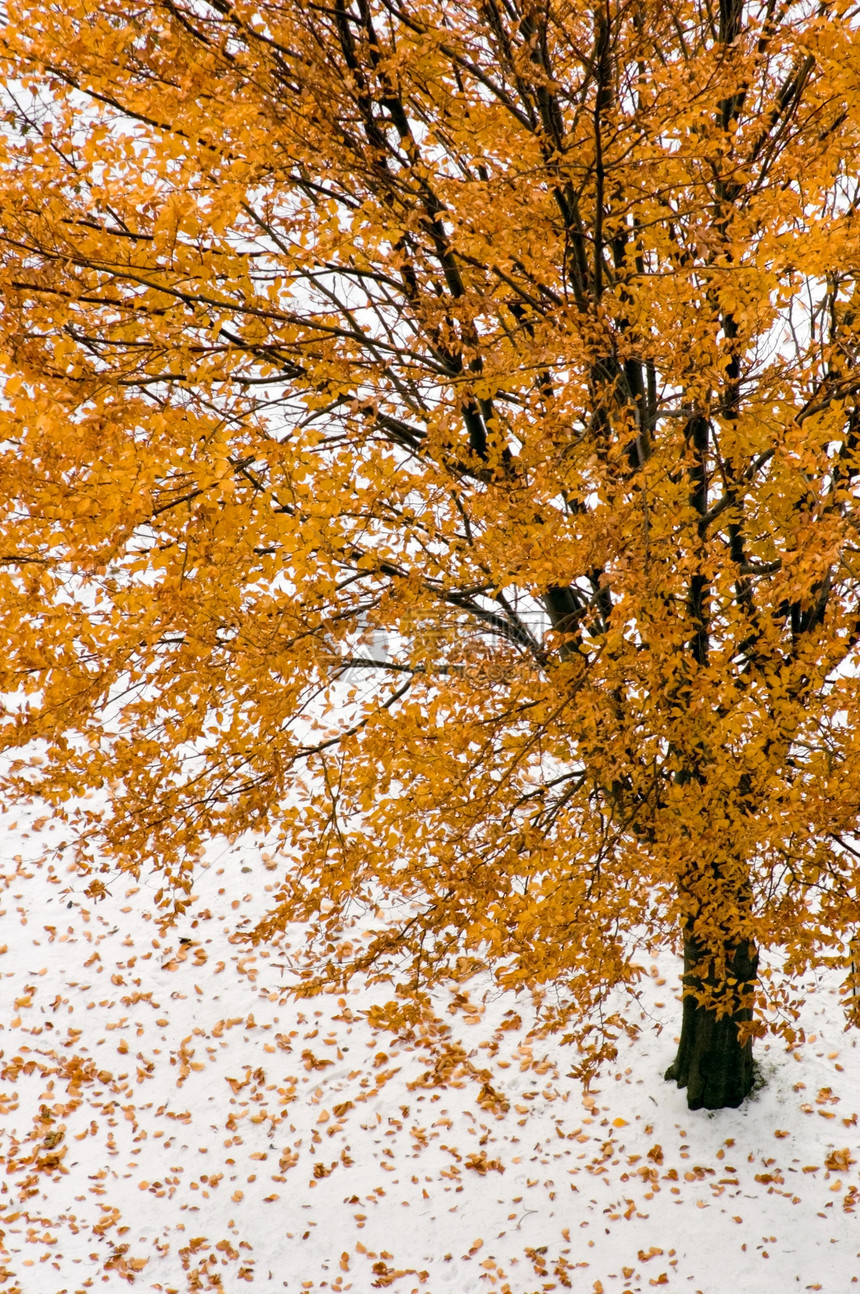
[{"x": 714, "y": 1065}]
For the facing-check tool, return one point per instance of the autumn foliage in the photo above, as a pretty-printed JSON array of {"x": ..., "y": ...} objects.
[{"x": 430, "y": 441}]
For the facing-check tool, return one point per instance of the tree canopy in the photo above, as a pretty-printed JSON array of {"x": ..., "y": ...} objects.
[{"x": 522, "y": 333}]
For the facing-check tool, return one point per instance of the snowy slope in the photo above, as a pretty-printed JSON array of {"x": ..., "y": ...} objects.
[{"x": 173, "y": 1121}]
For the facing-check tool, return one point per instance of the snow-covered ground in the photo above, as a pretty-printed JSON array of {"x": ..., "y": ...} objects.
[{"x": 171, "y": 1120}]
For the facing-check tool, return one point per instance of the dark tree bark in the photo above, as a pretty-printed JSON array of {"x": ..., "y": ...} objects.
[{"x": 712, "y": 1063}]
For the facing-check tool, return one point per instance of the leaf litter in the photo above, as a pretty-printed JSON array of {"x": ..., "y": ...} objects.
[{"x": 173, "y": 1121}]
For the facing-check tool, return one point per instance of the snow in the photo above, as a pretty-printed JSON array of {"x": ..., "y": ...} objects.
[{"x": 173, "y": 1120}]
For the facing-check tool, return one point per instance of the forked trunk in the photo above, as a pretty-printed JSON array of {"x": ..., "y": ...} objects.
[{"x": 713, "y": 1063}]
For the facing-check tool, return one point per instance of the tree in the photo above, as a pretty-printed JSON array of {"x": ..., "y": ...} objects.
[{"x": 523, "y": 332}]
